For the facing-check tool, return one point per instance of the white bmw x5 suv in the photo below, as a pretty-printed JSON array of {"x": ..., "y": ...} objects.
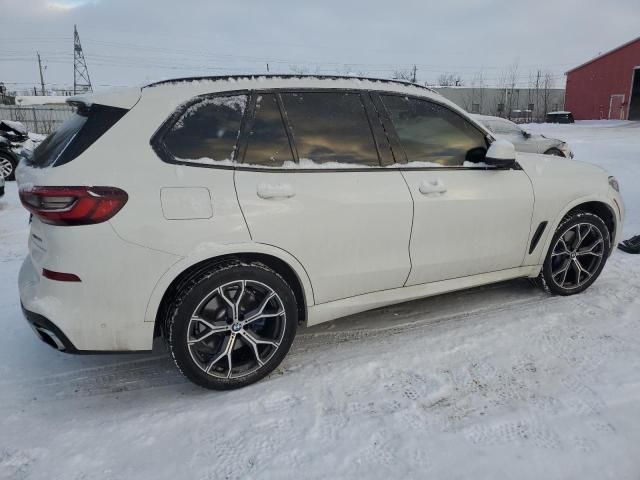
[{"x": 221, "y": 213}]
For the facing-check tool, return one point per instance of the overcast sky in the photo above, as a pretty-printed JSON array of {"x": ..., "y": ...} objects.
[{"x": 129, "y": 42}]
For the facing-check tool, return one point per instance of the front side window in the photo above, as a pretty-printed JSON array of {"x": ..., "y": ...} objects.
[
  {"x": 330, "y": 129},
  {"x": 434, "y": 134},
  {"x": 267, "y": 144},
  {"x": 207, "y": 131}
]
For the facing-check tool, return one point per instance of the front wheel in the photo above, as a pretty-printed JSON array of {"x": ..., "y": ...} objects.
[
  {"x": 579, "y": 250},
  {"x": 232, "y": 325},
  {"x": 554, "y": 152}
]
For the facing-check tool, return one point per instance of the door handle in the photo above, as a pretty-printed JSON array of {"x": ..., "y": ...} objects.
[
  {"x": 432, "y": 187},
  {"x": 280, "y": 190}
]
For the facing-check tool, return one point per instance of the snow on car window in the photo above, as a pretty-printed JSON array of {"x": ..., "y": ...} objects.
[
  {"x": 207, "y": 130},
  {"x": 237, "y": 102}
]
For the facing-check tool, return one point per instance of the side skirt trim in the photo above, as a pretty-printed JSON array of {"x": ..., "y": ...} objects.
[{"x": 361, "y": 303}]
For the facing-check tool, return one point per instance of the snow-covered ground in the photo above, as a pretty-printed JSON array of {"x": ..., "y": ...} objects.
[{"x": 498, "y": 382}]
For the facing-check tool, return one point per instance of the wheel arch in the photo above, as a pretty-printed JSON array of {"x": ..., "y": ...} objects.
[
  {"x": 600, "y": 206},
  {"x": 554, "y": 148},
  {"x": 280, "y": 261}
]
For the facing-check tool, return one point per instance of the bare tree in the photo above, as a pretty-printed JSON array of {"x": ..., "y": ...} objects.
[
  {"x": 512, "y": 82},
  {"x": 473, "y": 98},
  {"x": 535, "y": 79},
  {"x": 406, "y": 74},
  {"x": 304, "y": 70},
  {"x": 548, "y": 83},
  {"x": 350, "y": 70},
  {"x": 507, "y": 98},
  {"x": 450, "y": 80}
]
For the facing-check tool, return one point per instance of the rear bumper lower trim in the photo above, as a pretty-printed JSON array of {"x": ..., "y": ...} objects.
[{"x": 49, "y": 332}]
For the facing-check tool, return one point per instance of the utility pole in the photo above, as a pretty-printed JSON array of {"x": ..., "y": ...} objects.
[
  {"x": 81, "y": 80},
  {"x": 41, "y": 76},
  {"x": 414, "y": 76}
]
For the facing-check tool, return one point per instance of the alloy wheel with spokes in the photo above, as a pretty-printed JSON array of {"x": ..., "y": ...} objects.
[
  {"x": 6, "y": 168},
  {"x": 236, "y": 329},
  {"x": 578, "y": 253},
  {"x": 233, "y": 326}
]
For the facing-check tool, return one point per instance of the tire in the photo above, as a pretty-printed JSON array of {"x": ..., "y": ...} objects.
[
  {"x": 575, "y": 260},
  {"x": 8, "y": 166},
  {"x": 554, "y": 152},
  {"x": 232, "y": 325}
]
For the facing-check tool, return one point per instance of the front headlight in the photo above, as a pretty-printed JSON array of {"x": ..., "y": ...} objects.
[{"x": 614, "y": 184}]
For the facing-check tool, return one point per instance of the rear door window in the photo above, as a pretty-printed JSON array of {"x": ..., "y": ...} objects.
[
  {"x": 432, "y": 134},
  {"x": 207, "y": 131},
  {"x": 330, "y": 129},
  {"x": 267, "y": 142}
]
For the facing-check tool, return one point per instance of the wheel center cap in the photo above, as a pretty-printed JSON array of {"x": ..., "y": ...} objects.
[
  {"x": 236, "y": 327},
  {"x": 573, "y": 255}
]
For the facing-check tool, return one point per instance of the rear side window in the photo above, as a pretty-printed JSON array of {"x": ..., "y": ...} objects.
[
  {"x": 330, "y": 128},
  {"x": 75, "y": 135},
  {"x": 433, "y": 134},
  {"x": 207, "y": 131},
  {"x": 267, "y": 144}
]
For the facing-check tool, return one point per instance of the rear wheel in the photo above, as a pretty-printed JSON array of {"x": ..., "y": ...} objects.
[
  {"x": 7, "y": 167},
  {"x": 233, "y": 325},
  {"x": 579, "y": 250}
]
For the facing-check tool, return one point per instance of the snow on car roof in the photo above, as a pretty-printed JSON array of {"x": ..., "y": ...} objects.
[
  {"x": 286, "y": 78},
  {"x": 175, "y": 91}
]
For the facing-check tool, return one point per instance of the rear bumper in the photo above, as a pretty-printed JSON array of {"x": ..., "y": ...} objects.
[
  {"x": 48, "y": 332},
  {"x": 104, "y": 312}
]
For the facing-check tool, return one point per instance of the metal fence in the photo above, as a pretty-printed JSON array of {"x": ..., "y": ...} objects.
[{"x": 40, "y": 118}]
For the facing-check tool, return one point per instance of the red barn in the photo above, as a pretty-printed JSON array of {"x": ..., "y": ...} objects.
[{"x": 607, "y": 86}]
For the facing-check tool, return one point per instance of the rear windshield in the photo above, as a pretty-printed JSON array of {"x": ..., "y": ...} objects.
[{"x": 75, "y": 135}]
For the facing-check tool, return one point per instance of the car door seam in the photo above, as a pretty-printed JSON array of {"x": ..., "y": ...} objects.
[
  {"x": 235, "y": 189},
  {"x": 413, "y": 216}
]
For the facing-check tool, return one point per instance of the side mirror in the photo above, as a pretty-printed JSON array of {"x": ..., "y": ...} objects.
[
  {"x": 526, "y": 134},
  {"x": 501, "y": 154}
]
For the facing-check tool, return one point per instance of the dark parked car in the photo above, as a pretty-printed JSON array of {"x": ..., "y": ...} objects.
[
  {"x": 15, "y": 143},
  {"x": 8, "y": 159},
  {"x": 560, "y": 117}
]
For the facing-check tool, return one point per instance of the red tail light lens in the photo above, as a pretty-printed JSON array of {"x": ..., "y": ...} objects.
[
  {"x": 59, "y": 276},
  {"x": 73, "y": 205}
]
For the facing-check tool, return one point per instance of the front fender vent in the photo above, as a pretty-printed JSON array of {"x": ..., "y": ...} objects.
[{"x": 536, "y": 236}]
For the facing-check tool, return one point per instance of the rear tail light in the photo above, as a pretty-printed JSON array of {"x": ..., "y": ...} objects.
[{"x": 73, "y": 205}]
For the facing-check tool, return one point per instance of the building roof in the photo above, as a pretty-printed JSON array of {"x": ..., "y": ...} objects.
[{"x": 604, "y": 55}]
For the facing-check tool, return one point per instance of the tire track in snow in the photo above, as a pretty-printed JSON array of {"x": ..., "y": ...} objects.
[{"x": 159, "y": 371}]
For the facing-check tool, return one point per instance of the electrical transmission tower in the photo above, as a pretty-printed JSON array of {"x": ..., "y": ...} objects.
[{"x": 81, "y": 80}]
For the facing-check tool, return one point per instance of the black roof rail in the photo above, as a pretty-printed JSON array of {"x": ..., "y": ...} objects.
[{"x": 285, "y": 76}]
